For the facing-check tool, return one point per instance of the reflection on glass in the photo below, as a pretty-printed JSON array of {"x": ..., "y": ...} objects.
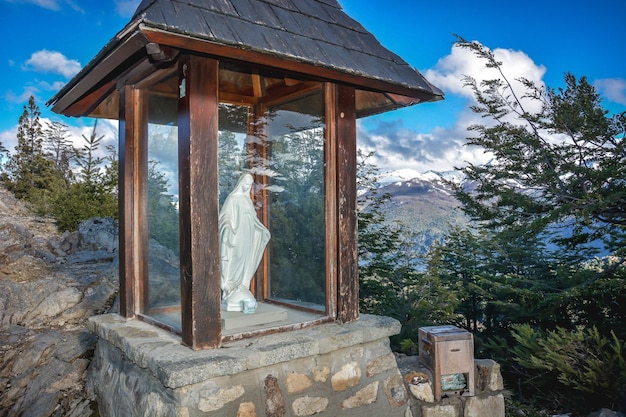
[
  {"x": 294, "y": 168},
  {"x": 162, "y": 210},
  {"x": 233, "y": 122},
  {"x": 284, "y": 151}
]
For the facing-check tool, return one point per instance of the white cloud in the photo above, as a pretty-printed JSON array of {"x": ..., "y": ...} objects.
[
  {"x": 105, "y": 128},
  {"x": 54, "y": 62},
  {"x": 8, "y": 138},
  {"x": 614, "y": 89},
  {"x": 49, "y": 4},
  {"x": 54, "y": 86},
  {"x": 29, "y": 90},
  {"x": 443, "y": 149},
  {"x": 440, "y": 150},
  {"x": 450, "y": 70},
  {"x": 126, "y": 8},
  {"x": 75, "y": 6},
  {"x": 46, "y": 4}
]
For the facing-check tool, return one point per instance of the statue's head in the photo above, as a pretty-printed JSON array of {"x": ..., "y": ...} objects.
[{"x": 245, "y": 183}]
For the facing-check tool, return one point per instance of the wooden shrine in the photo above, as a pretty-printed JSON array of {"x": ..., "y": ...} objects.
[{"x": 207, "y": 90}]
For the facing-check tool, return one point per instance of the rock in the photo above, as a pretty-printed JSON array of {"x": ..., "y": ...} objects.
[
  {"x": 99, "y": 234},
  {"x": 50, "y": 284},
  {"x": 423, "y": 392},
  {"x": 70, "y": 242}
]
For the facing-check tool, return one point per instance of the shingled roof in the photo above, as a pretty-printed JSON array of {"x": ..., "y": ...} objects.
[{"x": 317, "y": 33}]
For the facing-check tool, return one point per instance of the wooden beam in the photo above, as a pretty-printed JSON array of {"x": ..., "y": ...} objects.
[
  {"x": 347, "y": 274},
  {"x": 198, "y": 174},
  {"x": 257, "y": 88}
]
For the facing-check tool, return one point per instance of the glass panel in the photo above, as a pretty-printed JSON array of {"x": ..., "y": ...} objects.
[
  {"x": 233, "y": 125},
  {"x": 162, "y": 208},
  {"x": 284, "y": 151},
  {"x": 294, "y": 178}
]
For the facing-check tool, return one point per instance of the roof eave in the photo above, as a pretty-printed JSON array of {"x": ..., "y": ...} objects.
[
  {"x": 92, "y": 76},
  {"x": 165, "y": 36},
  {"x": 96, "y": 81}
]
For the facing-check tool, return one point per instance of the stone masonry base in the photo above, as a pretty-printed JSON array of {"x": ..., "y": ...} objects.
[{"x": 326, "y": 370}]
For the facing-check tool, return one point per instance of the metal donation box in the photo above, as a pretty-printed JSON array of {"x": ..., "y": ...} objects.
[{"x": 448, "y": 352}]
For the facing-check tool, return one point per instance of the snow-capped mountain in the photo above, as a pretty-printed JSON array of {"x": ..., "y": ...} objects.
[{"x": 423, "y": 203}]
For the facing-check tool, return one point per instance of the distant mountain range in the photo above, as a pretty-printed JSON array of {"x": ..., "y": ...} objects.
[{"x": 424, "y": 204}]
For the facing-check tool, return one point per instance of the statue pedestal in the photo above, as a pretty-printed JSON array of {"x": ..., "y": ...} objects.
[
  {"x": 265, "y": 314},
  {"x": 325, "y": 370}
]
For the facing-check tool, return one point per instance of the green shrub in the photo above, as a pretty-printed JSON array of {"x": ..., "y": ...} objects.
[{"x": 581, "y": 370}]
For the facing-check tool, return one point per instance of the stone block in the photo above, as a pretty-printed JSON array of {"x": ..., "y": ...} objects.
[
  {"x": 321, "y": 373},
  {"x": 380, "y": 364},
  {"x": 423, "y": 391},
  {"x": 308, "y": 406},
  {"x": 348, "y": 376},
  {"x": 216, "y": 399},
  {"x": 274, "y": 400},
  {"x": 396, "y": 391},
  {"x": 365, "y": 396},
  {"x": 442, "y": 410},
  {"x": 485, "y": 406},
  {"x": 297, "y": 383},
  {"x": 488, "y": 376},
  {"x": 247, "y": 409}
]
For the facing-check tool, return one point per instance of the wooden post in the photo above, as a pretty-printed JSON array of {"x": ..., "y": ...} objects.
[
  {"x": 198, "y": 174},
  {"x": 330, "y": 175},
  {"x": 127, "y": 201},
  {"x": 347, "y": 273}
]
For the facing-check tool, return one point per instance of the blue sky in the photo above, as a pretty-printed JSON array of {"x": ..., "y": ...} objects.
[{"x": 47, "y": 41}]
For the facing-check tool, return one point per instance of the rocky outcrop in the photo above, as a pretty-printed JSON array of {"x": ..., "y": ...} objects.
[{"x": 50, "y": 284}]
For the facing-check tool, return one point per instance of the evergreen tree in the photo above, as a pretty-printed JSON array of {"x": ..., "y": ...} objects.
[
  {"x": 163, "y": 216},
  {"x": 59, "y": 147},
  {"x": 297, "y": 213},
  {"x": 30, "y": 173},
  {"x": 557, "y": 172},
  {"x": 94, "y": 194},
  {"x": 461, "y": 261},
  {"x": 379, "y": 243},
  {"x": 552, "y": 198},
  {"x": 3, "y": 152},
  {"x": 88, "y": 161}
]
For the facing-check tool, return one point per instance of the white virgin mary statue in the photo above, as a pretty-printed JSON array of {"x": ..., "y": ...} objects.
[{"x": 242, "y": 241}]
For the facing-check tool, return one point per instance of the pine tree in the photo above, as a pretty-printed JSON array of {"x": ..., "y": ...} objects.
[
  {"x": 390, "y": 280},
  {"x": 87, "y": 160},
  {"x": 94, "y": 191},
  {"x": 28, "y": 168},
  {"x": 541, "y": 185},
  {"x": 552, "y": 198},
  {"x": 59, "y": 146}
]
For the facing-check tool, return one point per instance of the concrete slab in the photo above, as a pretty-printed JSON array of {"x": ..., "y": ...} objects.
[{"x": 264, "y": 314}]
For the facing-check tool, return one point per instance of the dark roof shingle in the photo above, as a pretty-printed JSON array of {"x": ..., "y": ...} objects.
[{"x": 317, "y": 32}]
